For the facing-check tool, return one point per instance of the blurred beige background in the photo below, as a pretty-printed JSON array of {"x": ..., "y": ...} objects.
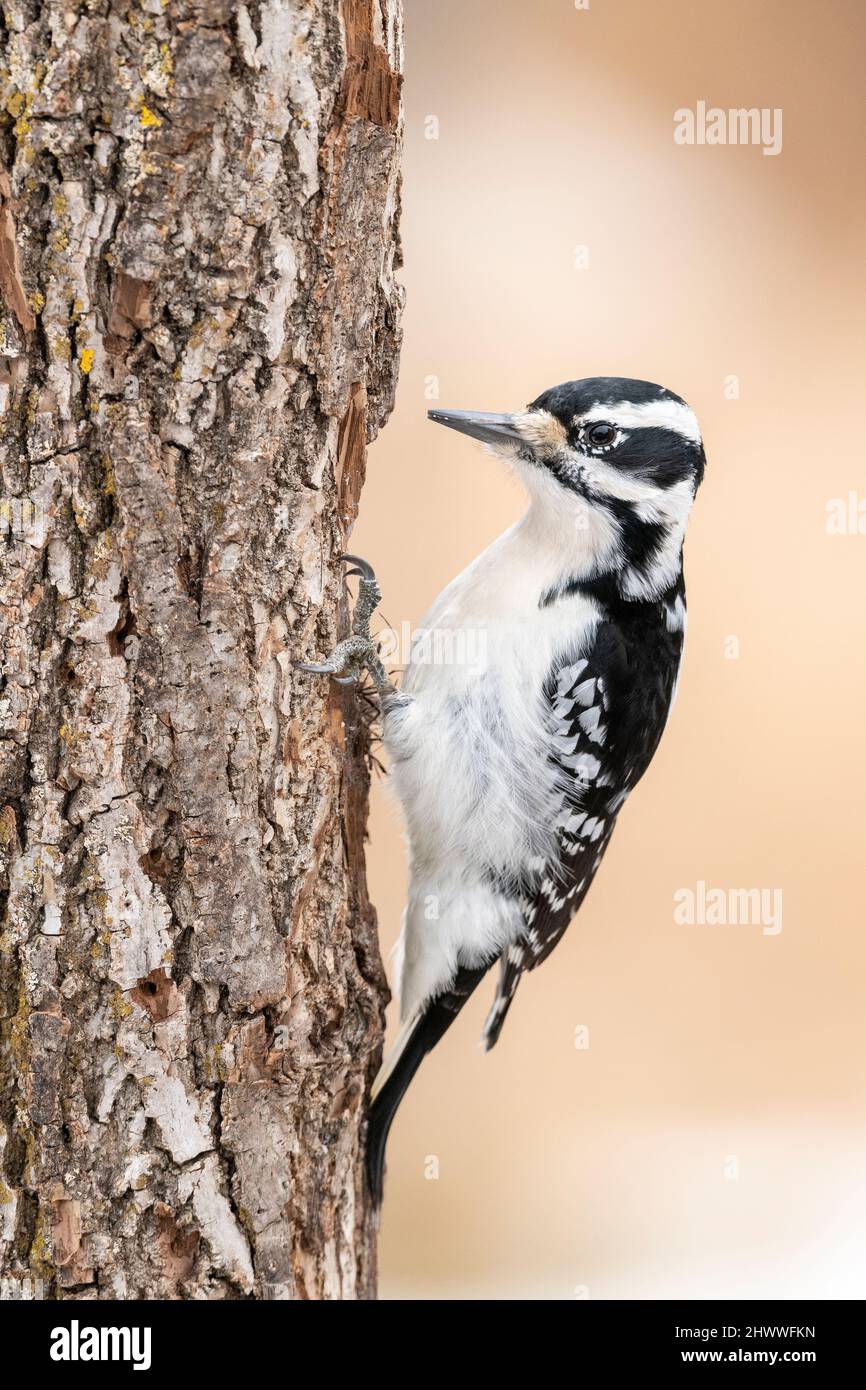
[{"x": 711, "y": 1141}]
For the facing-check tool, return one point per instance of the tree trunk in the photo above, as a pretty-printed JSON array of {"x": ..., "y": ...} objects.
[{"x": 198, "y": 242}]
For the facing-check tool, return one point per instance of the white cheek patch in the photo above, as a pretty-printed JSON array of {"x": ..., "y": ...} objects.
[
  {"x": 671, "y": 505},
  {"x": 607, "y": 481},
  {"x": 661, "y": 414}
]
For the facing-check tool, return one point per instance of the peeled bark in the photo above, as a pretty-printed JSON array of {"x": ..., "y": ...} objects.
[{"x": 198, "y": 242}]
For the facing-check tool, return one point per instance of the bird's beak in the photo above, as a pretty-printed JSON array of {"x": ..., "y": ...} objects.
[{"x": 478, "y": 424}]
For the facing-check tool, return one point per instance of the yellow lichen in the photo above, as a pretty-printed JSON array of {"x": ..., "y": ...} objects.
[
  {"x": 19, "y": 1033},
  {"x": 109, "y": 487},
  {"x": 148, "y": 118},
  {"x": 119, "y": 1006},
  {"x": 36, "y": 301},
  {"x": 41, "y": 1253},
  {"x": 87, "y": 361}
]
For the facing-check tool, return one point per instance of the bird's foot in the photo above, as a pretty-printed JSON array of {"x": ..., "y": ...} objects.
[
  {"x": 357, "y": 653},
  {"x": 347, "y": 662}
]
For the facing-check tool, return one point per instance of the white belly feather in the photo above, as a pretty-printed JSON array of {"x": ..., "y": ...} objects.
[{"x": 469, "y": 757}]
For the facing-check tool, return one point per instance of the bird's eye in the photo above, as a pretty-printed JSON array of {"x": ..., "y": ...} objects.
[{"x": 601, "y": 435}]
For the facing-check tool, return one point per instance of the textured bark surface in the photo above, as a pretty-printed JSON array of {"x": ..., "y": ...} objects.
[{"x": 198, "y": 241}]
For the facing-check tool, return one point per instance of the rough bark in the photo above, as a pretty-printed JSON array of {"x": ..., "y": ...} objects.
[{"x": 198, "y": 241}]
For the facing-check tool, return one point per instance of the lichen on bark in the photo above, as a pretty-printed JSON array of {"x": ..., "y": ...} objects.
[{"x": 200, "y": 329}]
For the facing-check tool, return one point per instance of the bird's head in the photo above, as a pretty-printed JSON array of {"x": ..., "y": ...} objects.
[{"x": 615, "y": 458}]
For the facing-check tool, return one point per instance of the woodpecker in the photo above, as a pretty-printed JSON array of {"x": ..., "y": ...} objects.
[{"x": 512, "y": 769}]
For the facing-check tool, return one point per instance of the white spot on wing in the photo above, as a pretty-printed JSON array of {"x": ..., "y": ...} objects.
[{"x": 588, "y": 721}]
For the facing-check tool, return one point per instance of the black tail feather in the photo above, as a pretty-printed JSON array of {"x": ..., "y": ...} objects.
[
  {"x": 434, "y": 1022},
  {"x": 509, "y": 979}
]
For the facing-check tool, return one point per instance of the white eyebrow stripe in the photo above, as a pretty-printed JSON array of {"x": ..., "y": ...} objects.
[{"x": 661, "y": 414}]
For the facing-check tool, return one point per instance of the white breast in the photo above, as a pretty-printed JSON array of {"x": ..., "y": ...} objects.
[{"x": 470, "y": 754}]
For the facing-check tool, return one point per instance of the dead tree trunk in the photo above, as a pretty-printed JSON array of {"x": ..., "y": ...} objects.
[{"x": 198, "y": 241}]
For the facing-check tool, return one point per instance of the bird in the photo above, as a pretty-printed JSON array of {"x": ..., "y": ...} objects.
[{"x": 513, "y": 753}]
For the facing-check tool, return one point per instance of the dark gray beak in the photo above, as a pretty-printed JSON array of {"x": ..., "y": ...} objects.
[{"x": 490, "y": 429}]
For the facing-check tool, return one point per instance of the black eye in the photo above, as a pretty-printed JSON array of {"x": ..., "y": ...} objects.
[{"x": 601, "y": 434}]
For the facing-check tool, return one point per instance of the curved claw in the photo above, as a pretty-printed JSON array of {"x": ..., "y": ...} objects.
[
  {"x": 363, "y": 569},
  {"x": 314, "y": 667},
  {"x": 331, "y": 668}
]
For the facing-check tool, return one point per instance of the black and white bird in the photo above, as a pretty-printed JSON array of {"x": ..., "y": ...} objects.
[{"x": 512, "y": 768}]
